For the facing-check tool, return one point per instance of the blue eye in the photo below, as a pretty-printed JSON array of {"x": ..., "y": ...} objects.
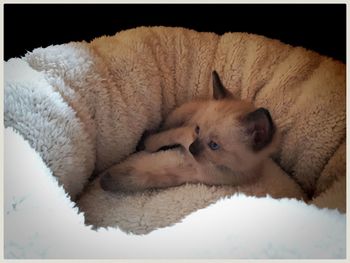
[{"x": 213, "y": 145}]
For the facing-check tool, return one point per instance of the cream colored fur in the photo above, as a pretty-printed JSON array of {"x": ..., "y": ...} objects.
[{"x": 86, "y": 105}]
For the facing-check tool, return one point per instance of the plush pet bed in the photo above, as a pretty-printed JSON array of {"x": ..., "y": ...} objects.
[{"x": 84, "y": 106}]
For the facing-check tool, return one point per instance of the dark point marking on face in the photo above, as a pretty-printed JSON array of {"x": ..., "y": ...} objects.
[
  {"x": 196, "y": 147},
  {"x": 197, "y": 129}
]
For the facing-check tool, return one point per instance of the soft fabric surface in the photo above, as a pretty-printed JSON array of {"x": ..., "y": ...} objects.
[
  {"x": 41, "y": 222},
  {"x": 83, "y": 107}
]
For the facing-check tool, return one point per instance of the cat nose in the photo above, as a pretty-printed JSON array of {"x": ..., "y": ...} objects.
[{"x": 195, "y": 147}]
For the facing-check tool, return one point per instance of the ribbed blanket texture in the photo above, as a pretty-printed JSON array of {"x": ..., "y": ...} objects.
[{"x": 84, "y": 106}]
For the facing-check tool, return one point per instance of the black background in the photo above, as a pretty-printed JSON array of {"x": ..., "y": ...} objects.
[{"x": 320, "y": 27}]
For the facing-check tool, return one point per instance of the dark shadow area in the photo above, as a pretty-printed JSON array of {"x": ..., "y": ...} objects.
[{"x": 319, "y": 27}]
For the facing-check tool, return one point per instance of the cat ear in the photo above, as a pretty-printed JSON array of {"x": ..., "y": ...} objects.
[
  {"x": 260, "y": 127},
  {"x": 219, "y": 91}
]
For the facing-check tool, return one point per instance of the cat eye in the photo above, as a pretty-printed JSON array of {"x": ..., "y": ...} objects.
[
  {"x": 213, "y": 145},
  {"x": 197, "y": 129}
]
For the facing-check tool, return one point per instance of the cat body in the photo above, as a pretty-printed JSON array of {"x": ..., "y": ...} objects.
[{"x": 222, "y": 141}]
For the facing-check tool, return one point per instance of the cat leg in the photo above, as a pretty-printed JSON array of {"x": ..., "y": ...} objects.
[
  {"x": 183, "y": 136},
  {"x": 177, "y": 118},
  {"x": 145, "y": 170}
]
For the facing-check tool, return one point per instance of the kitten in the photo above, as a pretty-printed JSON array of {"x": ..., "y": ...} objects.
[{"x": 222, "y": 141}]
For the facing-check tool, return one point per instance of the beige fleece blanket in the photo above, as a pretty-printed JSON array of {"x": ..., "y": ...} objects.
[{"x": 83, "y": 107}]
